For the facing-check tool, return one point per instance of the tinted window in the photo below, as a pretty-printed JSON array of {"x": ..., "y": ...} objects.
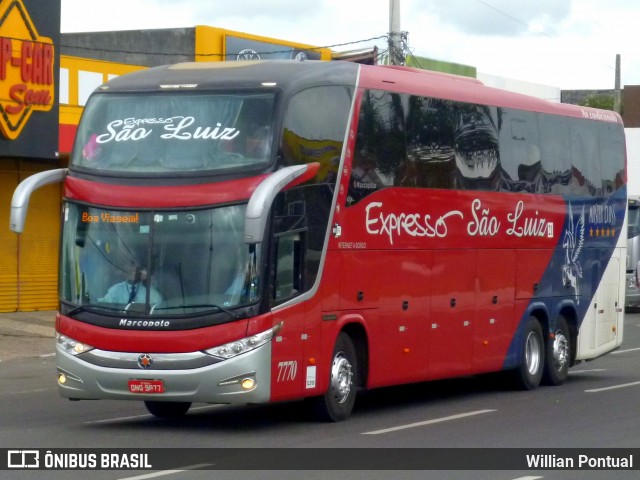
[
  {"x": 611, "y": 148},
  {"x": 314, "y": 130},
  {"x": 173, "y": 133},
  {"x": 519, "y": 148},
  {"x": 585, "y": 158},
  {"x": 415, "y": 141},
  {"x": 555, "y": 154},
  {"x": 380, "y": 157}
]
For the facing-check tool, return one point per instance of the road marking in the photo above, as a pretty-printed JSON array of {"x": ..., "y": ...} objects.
[
  {"x": 162, "y": 473},
  {"x": 428, "y": 422},
  {"x": 527, "y": 478},
  {"x": 614, "y": 387},
  {"x": 117, "y": 419},
  {"x": 625, "y": 351},
  {"x": 35, "y": 390},
  {"x": 576, "y": 372}
]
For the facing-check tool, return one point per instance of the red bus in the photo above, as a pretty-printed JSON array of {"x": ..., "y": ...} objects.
[{"x": 268, "y": 231}]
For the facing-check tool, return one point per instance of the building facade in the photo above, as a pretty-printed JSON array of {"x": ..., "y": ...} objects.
[
  {"x": 45, "y": 80},
  {"x": 29, "y": 118}
]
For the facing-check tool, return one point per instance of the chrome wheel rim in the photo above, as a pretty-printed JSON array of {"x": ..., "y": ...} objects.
[
  {"x": 341, "y": 378},
  {"x": 560, "y": 350},
  {"x": 532, "y": 353}
]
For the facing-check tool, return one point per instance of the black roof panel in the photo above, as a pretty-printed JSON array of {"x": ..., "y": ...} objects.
[{"x": 241, "y": 74}]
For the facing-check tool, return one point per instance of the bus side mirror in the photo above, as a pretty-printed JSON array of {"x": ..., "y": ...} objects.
[
  {"x": 262, "y": 198},
  {"x": 22, "y": 194}
]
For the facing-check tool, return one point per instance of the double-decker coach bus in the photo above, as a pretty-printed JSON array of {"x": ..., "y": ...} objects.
[
  {"x": 270, "y": 231},
  {"x": 632, "y": 296}
]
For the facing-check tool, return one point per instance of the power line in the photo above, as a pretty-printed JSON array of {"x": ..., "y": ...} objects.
[
  {"x": 501, "y": 12},
  {"x": 521, "y": 22},
  {"x": 61, "y": 45}
]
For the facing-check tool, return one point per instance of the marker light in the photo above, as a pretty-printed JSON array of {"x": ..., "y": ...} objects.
[
  {"x": 71, "y": 346},
  {"x": 244, "y": 345}
]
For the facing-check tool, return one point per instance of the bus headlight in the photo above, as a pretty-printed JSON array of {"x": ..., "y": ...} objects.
[
  {"x": 244, "y": 345},
  {"x": 71, "y": 346}
]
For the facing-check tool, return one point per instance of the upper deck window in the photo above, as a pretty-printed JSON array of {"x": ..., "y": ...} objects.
[
  {"x": 412, "y": 141},
  {"x": 174, "y": 133}
]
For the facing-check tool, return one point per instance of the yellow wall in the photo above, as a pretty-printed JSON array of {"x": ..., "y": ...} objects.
[{"x": 29, "y": 267}]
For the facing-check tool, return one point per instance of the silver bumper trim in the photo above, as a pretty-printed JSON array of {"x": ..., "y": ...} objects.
[
  {"x": 156, "y": 361},
  {"x": 206, "y": 384}
]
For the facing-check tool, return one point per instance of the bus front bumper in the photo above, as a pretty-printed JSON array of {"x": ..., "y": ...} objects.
[{"x": 242, "y": 379}]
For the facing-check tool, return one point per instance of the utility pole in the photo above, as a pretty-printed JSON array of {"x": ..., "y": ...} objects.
[
  {"x": 616, "y": 93},
  {"x": 395, "y": 36}
]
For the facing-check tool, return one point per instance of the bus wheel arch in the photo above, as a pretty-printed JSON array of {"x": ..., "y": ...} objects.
[
  {"x": 347, "y": 372},
  {"x": 359, "y": 338}
]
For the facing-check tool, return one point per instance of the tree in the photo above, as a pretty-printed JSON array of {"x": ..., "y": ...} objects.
[{"x": 596, "y": 100}]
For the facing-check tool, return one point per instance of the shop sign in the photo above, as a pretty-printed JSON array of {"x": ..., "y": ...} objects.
[{"x": 26, "y": 69}]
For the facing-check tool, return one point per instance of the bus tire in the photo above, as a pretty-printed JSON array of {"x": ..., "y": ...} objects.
[
  {"x": 167, "y": 409},
  {"x": 558, "y": 354},
  {"x": 337, "y": 403},
  {"x": 528, "y": 374}
]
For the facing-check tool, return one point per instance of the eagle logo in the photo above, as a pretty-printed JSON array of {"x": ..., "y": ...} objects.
[{"x": 572, "y": 242}]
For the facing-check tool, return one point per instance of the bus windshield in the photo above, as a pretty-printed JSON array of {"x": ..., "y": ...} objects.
[
  {"x": 180, "y": 132},
  {"x": 157, "y": 262},
  {"x": 633, "y": 229}
]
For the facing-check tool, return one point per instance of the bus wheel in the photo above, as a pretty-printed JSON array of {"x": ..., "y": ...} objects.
[
  {"x": 167, "y": 409},
  {"x": 528, "y": 375},
  {"x": 336, "y": 404},
  {"x": 558, "y": 356}
]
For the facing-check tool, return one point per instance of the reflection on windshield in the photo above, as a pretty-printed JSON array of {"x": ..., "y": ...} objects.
[
  {"x": 174, "y": 132},
  {"x": 161, "y": 263}
]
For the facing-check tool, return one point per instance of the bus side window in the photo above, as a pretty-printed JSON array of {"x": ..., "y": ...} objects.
[
  {"x": 364, "y": 176},
  {"x": 287, "y": 279}
]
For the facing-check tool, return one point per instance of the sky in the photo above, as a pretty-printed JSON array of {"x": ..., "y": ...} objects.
[{"x": 569, "y": 44}]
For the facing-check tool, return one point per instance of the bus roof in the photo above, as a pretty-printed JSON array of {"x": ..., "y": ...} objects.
[
  {"x": 294, "y": 75},
  {"x": 287, "y": 74},
  {"x": 469, "y": 90}
]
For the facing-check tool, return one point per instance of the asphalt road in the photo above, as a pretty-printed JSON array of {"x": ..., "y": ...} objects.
[
  {"x": 598, "y": 407},
  {"x": 26, "y": 334}
]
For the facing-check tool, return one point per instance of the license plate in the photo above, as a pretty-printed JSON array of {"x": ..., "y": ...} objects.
[{"x": 146, "y": 386}]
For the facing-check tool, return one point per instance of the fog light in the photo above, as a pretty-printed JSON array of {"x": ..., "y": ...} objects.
[
  {"x": 248, "y": 383},
  {"x": 62, "y": 378}
]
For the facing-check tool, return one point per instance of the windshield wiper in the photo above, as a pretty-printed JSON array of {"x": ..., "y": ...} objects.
[
  {"x": 88, "y": 306},
  {"x": 78, "y": 309},
  {"x": 207, "y": 305}
]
